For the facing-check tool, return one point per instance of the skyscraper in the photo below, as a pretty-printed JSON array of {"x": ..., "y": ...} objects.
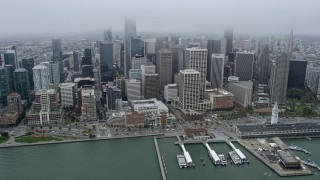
[
  {"x": 146, "y": 69},
  {"x": 21, "y": 82},
  {"x": 217, "y": 70},
  {"x": 28, "y": 64},
  {"x": 189, "y": 89},
  {"x": 107, "y": 34},
  {"x": 164, "y": 67},
  {"x": 3, "y": 86},
  {"x": 10, "y": 58},
  {"x": 76, "y": 64},
  {"x": 40, "y": 77},
  {"x": 228, "y": 34},
  {"x": 244, "y": 66},
  {"x": 264, "y": 65},
  {"x": 197, "y": 59},
  {"x": 297, "y": 73},
  {"x": 57, "y": 56},
  {"x": 279, "y": 78},
  {"x": 106, "y": 61},
  {"x": 86, "y": 63},
  {"x": 129, "y": 31},
  {"x": 151, "y": 86},
  {"x": 136, "y": 47},
  {"x": 214, "y": 47},
  {"x": 177, "y": 58},
  {"x": 9, "y": 71}
]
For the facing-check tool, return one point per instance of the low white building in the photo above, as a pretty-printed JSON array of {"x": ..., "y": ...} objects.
[
  {"x": 170, "y": 91},
  {"x": 67, "y": 94},
  {"x": 149, "y": 105},
  {"x": 133, "y": 89}
]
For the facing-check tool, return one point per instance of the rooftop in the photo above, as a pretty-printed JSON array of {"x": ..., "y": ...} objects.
[{"x": 277, "y": 127}]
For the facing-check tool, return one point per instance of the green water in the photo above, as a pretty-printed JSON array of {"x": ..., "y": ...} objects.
[{"x": 133, "y": 159}]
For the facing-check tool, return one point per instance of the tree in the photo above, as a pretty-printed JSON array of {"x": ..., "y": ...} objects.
[
  {"x": 307, "y": 111},
  {"x": 60, "y": 128},
  {"x": 32, "y": 127},
  {"x": 195, "y": 123},
  {"x": 152, "y": 127},
  {"x": 50, "y": 127}
]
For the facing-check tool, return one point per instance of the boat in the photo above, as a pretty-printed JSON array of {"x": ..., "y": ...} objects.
[
  {"x": 235, "y": 157},
  {"x": 311, "y": 163},
  {"x": 181, "y": 161},
  {"x": 223, "y": 160}
]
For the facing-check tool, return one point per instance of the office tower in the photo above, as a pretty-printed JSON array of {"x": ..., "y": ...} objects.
[
  {"x": 297, "y": 73},
  {"x": 14, "y": 103},
  {"x": 129, "y": 31},
  {"x": 216, "y": 70},
  {"x": 133, "y": 89},
  {"x": 242, "y": 91},
  {"x": 67, "y": 94},
  {"x": 121, "y": 84},
  {"x": 244, "y": 66},
  {"x": 114, "y": 93},
  {"x": 136, "y": 47},
  {"x": 1, "y": 62},
  {"x": 197, "y": 59},
  {"x": 106, "y": 61},
  {"x": 313, "y": 79},
  {"x": 247, "y": 45},
  {"x": 107, "y": 34},
  {"x": 138, "y": 61},
  {"x": 76, "y": 63},
  {"x": 177, "y": 58},
  {"x": 28, "y": 64},
  {"x": 189, "y": 88},
  {"x": 40, "y": 77},
  {"x": 10, "y": 58},
  {"x": 117, "y": 52},
  {"x": 3, "y": 86},
  {"x": 228, "y": 34},
  {"x": 214, "y": 47},
  {"x": 279, "y": 78},
  {"x": 57, "y": 56},
  {"x": 22, "y": 85},
  {"x": 164, "y": 67},
  {"x": 290, "y": 44},
  {"x": 151, "y": 86},
  {"x": 54, "y": 75},
  {"x": 135, "y": 74},
  {"x": 88, "y": 104},
  {"x": 9, "y": 70},
  {"x": 264, "y": 65},
  {"x": 170, "y": 91},
  {"x": 150, "y": 46},
  {"x": 86, "y": 64},
  {"x": 146, "y": 69}
]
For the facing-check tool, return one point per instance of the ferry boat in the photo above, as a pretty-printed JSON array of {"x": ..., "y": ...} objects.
[
  {"x": 181, "y": 161},
  {"x": 235, "y": 157},
  {"x": 223, "y": 160}
]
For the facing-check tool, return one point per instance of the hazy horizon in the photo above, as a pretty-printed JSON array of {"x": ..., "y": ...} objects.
[{"x": 81, "y": 16}]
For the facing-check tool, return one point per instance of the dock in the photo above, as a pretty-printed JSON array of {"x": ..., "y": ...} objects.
[
  {"x": 185, "y": 152},
  {"x": 243, "y": 158},
  {"x": 253, "y": 146},
  {"x": 297, "y": 148},
  {"x": 162, "y": 168},
  {"x": 212, "y": 154}
]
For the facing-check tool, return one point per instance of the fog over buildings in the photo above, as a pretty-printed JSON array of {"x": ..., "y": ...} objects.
[{"x": 246, "y": 16}]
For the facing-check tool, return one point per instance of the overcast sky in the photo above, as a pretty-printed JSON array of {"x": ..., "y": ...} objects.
[{"x": 245, "y": 16}]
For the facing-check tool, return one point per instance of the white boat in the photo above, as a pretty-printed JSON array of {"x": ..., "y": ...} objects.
[
  {"x": 223, "y": 160},
  {"x": 181, "y": 161},
  {"x": 235, "y": 157}
]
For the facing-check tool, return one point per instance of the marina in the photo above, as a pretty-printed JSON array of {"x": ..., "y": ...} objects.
[{"x": 297, "y": 148}]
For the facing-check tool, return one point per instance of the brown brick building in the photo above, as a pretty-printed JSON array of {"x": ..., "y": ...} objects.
[{"x": 134, "y": 119}]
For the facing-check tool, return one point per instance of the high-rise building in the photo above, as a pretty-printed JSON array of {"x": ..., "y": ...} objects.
[
  {"x": 9, "y": 70},
  {"x": 247, "y": 44},
  {"x": 107, "y": 34},
  {"x": 67, "y": 94},
  {"x": 263, "y": 65},
  {"x": 214, "y": 47},
  {"x": 87, "y": 71},
  {"x": 22, "y": 85},
  {"x": 106, "y": 61},
  {"x": 76, "y": 63},
  {"x": 170, "y": 91},
  {"x": 146, "y": 69},
  {"x": 164, "y": 67},
  {"x": 114, "y": 93},
  {"x": 244, "y": 66},
  {"x": 28, "y": 64},
  {"x": 216, "y": 70},
  {"x": 133, "y": 89},
  {"x": 313, "y": 80},
  {"x": 136, "y": 47},
  {"x": 151, "y": 86},
  {"x": 129, "y": 31},
  {"x": 14, "y": 103},
  {"x": 117, "y": 52},
  {"x": 135, "y": 74},
  {"x": 40, "y": 77},
  {"x": 297, "y": 73},
  {"x": 177, "y": 58},
  {"x": 228, "y": 34},
  {"x": 3, "y": 86},
  {"x": 197, "y": 59},
  {"x": 54, "y": 75},
  {"x": 88, "y": 107},
  {"x": 11, "y": 59},
  {"x": 242, "y": 91},
  {"x": 279, "y": 78},
  {"x": 57, "y": 56},
  {"x": 138, "y": 61},
  {"x": 86, "y": 64},
  {"x": 189, "y": 89}
]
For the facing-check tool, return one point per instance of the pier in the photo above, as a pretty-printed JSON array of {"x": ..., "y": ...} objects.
[
  {"x": 185, "y": 152},
  {"x": 162, "y": 168},
  {"x": 297, "y": 148},
  {"x": 242, "y": 157},
  {"x": 212, "y": 154}
]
